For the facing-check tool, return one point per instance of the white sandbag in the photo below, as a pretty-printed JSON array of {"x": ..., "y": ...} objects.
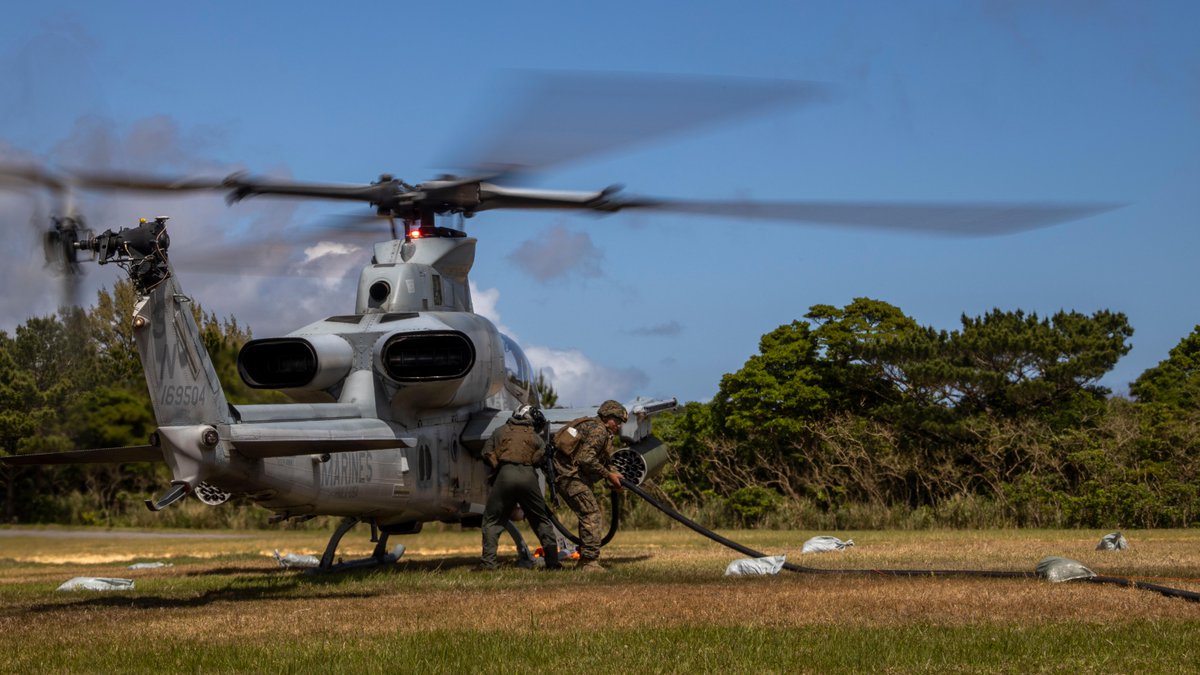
[
  {"x": 296, "y": 560},
  {"x": 149, "y": 565},
  {"x": 750, "y": 567},
  {"x": 825, "y": 544},
  {"x": 1055, "y": 569},
  {"x": 1113, "y": 541},
  {"x": 96, "y": 584}
]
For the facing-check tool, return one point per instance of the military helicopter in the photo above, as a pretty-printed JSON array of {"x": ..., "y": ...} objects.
[{"x": 393, "y": 403}]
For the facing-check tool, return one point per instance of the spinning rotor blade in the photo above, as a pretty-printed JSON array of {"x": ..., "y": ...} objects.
[
  {"x": 942, "y": 218},
  {"x": 121, "y": 180},
  {"x": 25, "y": 175},
  {"x": 57, "y": 229},
  {"x": 364, "y": 227},
  {"x": 559, "y": 117},
  {"x": 383, "y": 193},
  {"x": 238, "y": 185},
  {"x": 103, "y": 180}
]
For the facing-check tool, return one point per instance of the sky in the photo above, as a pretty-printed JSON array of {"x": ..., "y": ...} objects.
[{"x": 1026, "y": 101}]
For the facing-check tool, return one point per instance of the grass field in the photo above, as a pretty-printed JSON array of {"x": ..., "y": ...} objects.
[{"x": 225, "y": 605}]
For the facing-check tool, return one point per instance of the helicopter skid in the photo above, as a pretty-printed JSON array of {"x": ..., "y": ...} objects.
[{"x": 361, "y": 563}]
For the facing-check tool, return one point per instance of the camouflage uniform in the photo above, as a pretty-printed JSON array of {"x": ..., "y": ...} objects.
[
  {"x": 513, "y": 451},
  {"x": 573, "y": 479}
]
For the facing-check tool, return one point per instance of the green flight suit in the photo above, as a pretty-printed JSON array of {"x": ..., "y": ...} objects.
[{"x": 513, "y": 451}]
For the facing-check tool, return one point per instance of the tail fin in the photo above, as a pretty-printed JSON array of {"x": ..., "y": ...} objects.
[{"x": 184, "y": 388}]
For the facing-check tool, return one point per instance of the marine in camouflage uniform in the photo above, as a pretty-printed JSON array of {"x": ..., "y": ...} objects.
[
  {"x": 513, "y": 451},
  {"x": 574, "y": 476}
]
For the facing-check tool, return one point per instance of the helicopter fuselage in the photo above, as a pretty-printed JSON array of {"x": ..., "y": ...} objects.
[{"x": 410, "y": 371}]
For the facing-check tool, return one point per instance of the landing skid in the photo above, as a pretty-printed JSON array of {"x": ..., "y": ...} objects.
[
  {"x": 524, "y": 558},
  {"x": 379, "y": 557}
]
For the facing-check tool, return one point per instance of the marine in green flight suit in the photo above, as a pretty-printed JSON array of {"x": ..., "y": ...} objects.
[{"x": 513, "y": 451}]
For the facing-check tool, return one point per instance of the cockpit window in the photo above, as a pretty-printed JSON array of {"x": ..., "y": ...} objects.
[{"x": 516, "y": 366}]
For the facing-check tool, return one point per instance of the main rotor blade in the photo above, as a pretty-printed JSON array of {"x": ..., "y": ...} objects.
[
  {"x": 134, "y": 453},
  {"x": 89, "y": 179},
  {"x": 559, "y": 117},
  {"x": 238, "y": 185},
  {"x": 243, "y": 186},
  {"x": 22, "y": 175},
  {"x": 967, "y": 218}
]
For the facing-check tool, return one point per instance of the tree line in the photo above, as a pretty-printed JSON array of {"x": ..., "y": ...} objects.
[{"x": 858, "y": 416}]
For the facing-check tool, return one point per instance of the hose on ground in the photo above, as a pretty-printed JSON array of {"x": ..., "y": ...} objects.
[{"x": 791, "y": 567}]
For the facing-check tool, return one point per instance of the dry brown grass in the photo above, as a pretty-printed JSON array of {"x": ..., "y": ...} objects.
[{"x": 229, "y": 590}]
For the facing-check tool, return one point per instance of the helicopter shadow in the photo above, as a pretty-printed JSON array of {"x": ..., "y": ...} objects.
[
  {"x": 257, "y": 584},
  {"x": 270, "y": 589}
]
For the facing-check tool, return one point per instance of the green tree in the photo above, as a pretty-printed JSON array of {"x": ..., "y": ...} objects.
[
  {"x": 1175, "y": 381},
  {"x": 58, "y": 352},
  {"x": 777, "y": 390},
  {"x": 688, "y": 432},
  {"x": 547, "y": 397},
  {"x": 111, "y": 326},
  {"x": 1011, "y": 363},
  {"x": 28, "y": 421},
  {"x": 865, "y": 347}
]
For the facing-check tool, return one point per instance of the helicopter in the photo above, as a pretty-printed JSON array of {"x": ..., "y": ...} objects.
[{"x": 393, "y": 403}]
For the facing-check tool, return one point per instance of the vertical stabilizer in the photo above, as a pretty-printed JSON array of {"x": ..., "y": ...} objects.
[{"x": 183, "y": 384}]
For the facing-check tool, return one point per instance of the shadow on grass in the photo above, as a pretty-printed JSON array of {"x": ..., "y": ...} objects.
[
  {"x": 256, "y": 584},
  {"x": 460, "y": 562},
  {"x": 251, "y": 593}
]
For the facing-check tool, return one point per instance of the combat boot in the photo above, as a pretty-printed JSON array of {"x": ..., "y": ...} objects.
[
  {"x": 550, "y": 556},
  {"x": 589, "y": 566}
]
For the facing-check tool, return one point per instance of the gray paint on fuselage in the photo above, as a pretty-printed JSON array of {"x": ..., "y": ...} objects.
[{"x": 384, "y": 482}]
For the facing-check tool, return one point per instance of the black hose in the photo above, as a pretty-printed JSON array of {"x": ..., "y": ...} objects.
[
  {"x": 1147, "y": 586},
  {"x": 995, "y": 574},
  {"x": 613, "y": 521},
  {"x": 615, "y": 510}
]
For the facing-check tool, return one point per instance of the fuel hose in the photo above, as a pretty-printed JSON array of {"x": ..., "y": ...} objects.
[
  {"x": 615, "y": 510},
  {"x": 791, "y": 567}
]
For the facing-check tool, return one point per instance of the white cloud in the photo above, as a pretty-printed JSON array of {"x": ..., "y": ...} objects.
[
  {"x": 577, "y": 379},
  {"x": 557, "y": 253},
  {"x": 324, "y": 248},
  {"x": 485, "y": 302},
  {"x": 581, "y": 381}
]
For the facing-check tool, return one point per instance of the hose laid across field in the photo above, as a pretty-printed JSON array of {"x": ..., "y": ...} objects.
[{"x": 791, "y": 567}]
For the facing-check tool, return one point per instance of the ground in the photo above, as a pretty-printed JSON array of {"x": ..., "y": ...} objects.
[{"x": 665, "y": 605}]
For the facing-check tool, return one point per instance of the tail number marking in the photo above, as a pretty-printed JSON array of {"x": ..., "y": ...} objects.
[{"x": 182, "y": 394}]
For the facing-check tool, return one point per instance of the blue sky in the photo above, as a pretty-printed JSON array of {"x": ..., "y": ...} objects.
[{"x": 1027, "y": 101}]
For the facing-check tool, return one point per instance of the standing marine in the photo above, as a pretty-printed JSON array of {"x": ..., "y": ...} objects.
[
  {"x": 582, "y": 457},
  {"x": 512, "y": 452}
]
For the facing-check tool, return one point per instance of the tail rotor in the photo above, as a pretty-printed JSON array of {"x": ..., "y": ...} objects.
[{"x": 61, "y": 231}]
